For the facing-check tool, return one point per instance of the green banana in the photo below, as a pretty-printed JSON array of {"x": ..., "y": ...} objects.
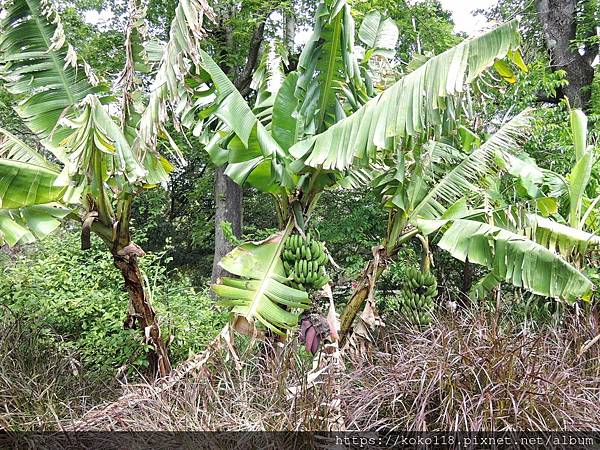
[
  {"x": 308, "y": 253},
  {"x": 314, "y": 249},
  {"x": 304, "y": 261},
  {"x": 416, "y": 297}
]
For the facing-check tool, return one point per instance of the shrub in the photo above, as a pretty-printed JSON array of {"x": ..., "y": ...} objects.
[
  {"x": 61, "y": 291},
  {"x": 465, "y": 372}
]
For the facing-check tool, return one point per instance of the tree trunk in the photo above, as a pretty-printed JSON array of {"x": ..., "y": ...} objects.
[
  {"x": 228, "y": 195},
  {"x": 559, "y": 26},
  {"x": 228, "y": 207},
  {"x": 467, "y": 277},
  {"x": 290, "y": 31},
  {"x": 141, "y": 314}
]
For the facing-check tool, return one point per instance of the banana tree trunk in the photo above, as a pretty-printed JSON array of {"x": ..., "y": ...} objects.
[
  {"x": 365, "y": 284},
  {"x": 141, "y": 314}
]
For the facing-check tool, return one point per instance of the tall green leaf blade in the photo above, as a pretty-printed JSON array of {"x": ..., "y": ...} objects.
[
  {"x": 413, "y": 106},
  {"x": 284, "y": 126},
  {"x": 234, "y": 111},
  {"x": 327, "y": 63},
  {"x": 578, "y": 121},
  {"x": 578, "y": 181}
]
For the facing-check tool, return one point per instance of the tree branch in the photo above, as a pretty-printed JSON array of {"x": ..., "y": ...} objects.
[{"x": 243, "y": 80}]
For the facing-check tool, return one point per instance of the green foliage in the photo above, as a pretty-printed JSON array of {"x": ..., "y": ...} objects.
[
  {"x": 100, "y": 46},
  {"x": 61, "y": 291},
  {"x": 513, "y": 257},
  {"x": 431, "y": 31},
  {"x": 351, "y": 222},
  {"x": 419, "y": 106}
]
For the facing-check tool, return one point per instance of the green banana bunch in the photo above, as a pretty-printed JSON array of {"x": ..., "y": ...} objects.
[
  {"x": 304, "y": 262},
  {"x": 416, "y": 297}
]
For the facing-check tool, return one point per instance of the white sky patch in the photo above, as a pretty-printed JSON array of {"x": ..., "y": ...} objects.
[
  {"x": 302, "y": 37},
  {"x": 94, "y": 17},
  {"x": 462, "y": 13}
]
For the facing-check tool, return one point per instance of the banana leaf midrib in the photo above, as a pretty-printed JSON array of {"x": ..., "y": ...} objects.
[
  {"x": 264, "y": 282},
  {"x": 52, "y": 54},
  {"x": 330, "y": 67}
]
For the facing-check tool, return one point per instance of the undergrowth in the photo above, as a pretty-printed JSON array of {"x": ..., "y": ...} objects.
[
  {"x": 76, "y": 301},
  {"x": 466, "y": 371},
  {"x": 64, "y": 352}
]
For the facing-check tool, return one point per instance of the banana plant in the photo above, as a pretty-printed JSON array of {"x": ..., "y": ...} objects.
[
  {"x": 102, "y": 142},
  {"x": 440, "y": 191},
  {"x": 329, "y": 126},
  {"x": 29, "y": 208}
]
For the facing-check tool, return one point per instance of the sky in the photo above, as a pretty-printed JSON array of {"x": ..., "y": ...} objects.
[{"x": 463, "y": 18}]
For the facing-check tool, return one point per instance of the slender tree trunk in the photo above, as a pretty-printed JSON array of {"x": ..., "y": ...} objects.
[
  {"x": 228, "y": 207},
  {"x": 558, "y": 20},
  {"x": 290, "y": 31},
  {"x": 228, "y": 195},
  {"x": 141, "y": 314}
]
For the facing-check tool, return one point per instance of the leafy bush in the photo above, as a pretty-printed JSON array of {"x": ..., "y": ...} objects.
[
  {"x": 350, "y": 223},
  {"x": 60, "y": 290}
]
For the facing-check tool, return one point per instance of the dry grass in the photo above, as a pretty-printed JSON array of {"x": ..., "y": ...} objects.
[
  {"x": 462, "y": 373},
  {"x": 226, "y": 396},
  {"x": 41, "y": 382}
]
